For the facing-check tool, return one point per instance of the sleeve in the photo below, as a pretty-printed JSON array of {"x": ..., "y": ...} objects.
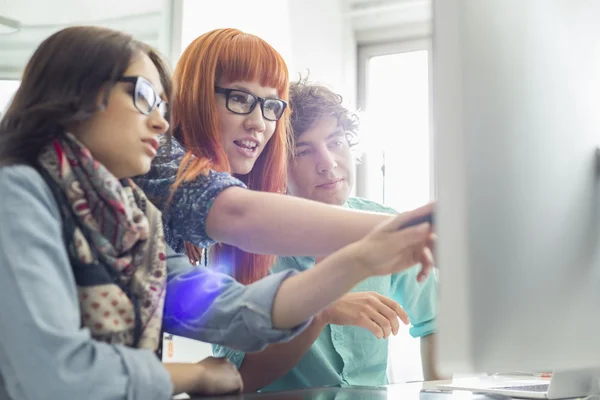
[
  {"x": 234, "y": 356},
  {"x": 419, "y": 300},
  {"x": 213, "y": 307},
  {"x": 184, "y": 214},
  {"x": 44, "y": 352}
]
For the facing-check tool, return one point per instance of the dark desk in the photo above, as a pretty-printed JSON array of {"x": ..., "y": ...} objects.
[{"x": 410, "y": 391}]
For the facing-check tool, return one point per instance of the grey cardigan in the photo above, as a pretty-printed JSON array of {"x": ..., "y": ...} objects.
[{"x": 44, "y": 351}]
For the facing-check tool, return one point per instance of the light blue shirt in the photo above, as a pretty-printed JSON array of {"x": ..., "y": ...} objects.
[
  {"x": 44, "y": 351},
  {"x": 347, "y": 355}
]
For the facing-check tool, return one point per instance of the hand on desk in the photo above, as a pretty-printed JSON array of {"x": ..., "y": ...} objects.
[
  {"x": 211, "y": 376},
  {"x": 220, "y": 377},
  {"x": 370, "y": 310}
]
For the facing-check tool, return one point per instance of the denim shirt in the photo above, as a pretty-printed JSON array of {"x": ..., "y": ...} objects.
[
  {"x": 349, "y": 355},
  {"x": 44, "y": 351},
  {"x": 184, "y": 214}
]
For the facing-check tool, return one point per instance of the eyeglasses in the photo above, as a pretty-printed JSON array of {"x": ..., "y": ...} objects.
[
  {"x": 145, "y": 97},
  {"x": 242, "y": 102}
]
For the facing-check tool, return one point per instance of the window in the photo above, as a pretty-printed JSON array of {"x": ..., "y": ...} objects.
[
  {"x": 397, "y": 163},
  {"x": 7, "y": 91}
]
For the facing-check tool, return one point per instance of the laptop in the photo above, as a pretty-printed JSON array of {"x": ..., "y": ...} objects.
[{"x": 517, "y": 386}]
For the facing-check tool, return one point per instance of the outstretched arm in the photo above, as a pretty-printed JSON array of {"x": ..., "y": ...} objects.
[
  {"x": 213, "y": 307},
  {"x": 270, "y": 223}
]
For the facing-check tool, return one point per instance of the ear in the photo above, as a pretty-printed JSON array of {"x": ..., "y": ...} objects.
[{"x": 102, "y": 97}]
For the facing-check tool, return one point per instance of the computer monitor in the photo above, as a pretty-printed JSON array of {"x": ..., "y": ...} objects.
[{"x": 516, "y": 119}]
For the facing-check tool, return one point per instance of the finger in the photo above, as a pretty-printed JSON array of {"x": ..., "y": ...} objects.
[
  {"x": 405, "y": 248},
  {"x": 409, "y": 245},
  {"x": 391, "y": 310},
  {"x": 369, "y": 324},
  {"x": 426, "y": 265},
  {"x": 397, "y": 309},
  {"x": 418, "y": 213},
  {"x": 415, "y": 235},
  {"x": 405, "y": 221},
  {"x": 383, "y": 321},
  {"x": 431, "y": 243},
  {"x": 390, "y": 315}
]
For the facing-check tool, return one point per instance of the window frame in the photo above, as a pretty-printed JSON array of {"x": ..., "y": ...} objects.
[{"x": 364, "y": 55}]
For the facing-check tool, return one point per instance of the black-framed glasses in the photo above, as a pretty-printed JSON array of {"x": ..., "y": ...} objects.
[
  {"x": 241, "y": 102},
  {"x": 145, "y": 97}
]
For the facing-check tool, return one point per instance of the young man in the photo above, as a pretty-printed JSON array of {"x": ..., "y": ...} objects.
[{"x": 345, "y": 345}]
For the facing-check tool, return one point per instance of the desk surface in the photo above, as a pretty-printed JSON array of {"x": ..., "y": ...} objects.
[{"x": 407, "y": 391}]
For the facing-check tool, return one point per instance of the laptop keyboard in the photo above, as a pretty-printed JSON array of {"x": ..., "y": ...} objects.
[{"x": 528, "y": 388}]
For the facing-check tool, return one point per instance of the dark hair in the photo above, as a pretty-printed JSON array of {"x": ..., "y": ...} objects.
[
  {"x": 61, "y": 83},
  {"x": 310, "y": 102}
]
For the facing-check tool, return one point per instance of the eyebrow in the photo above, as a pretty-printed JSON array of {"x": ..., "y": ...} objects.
[
  {"x": 242, "y": 87},
  {"x": 337, "y": 133}
]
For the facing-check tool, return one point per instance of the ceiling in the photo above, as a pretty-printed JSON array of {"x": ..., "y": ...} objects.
[
  {"x": 377, "y": 21},
  {"x": 65, "y": 12},
  {"x": 373, "y": 21}
]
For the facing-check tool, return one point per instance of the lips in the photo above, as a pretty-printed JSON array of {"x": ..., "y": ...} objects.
[
  {"x": 331, "y": 184},
  {"x": 153, "y": 142},
  {"x": 246, "y": 144},
  {"x": 152, "y": 146},
  {"x": 247, "y": 147}
]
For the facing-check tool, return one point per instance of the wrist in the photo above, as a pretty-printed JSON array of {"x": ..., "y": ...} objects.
[
  {"x": 357, "y": 263},
  {"x": 321, "y": 319}
]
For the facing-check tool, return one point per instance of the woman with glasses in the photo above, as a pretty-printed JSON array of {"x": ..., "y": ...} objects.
[
  {"x": 229, "y": 120},
  {"x": 87, "y": 282}
]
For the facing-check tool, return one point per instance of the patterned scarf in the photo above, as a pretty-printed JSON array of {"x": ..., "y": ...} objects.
[{"x": 115, "y": 242}]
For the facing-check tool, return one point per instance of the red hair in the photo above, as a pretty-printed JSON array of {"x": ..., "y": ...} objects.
[{"x": 228, "y": 55}]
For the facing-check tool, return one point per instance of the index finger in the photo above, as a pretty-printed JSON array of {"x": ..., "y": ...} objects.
[
  {"x": 418, "y": 219},
  {"x": 424, "y": 214}
]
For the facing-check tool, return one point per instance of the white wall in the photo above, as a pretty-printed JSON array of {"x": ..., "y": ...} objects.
[
  {"x": 309, "y": 34},
  {"x": 323, "y": 42},
  {"x": 265, "y": 18}
]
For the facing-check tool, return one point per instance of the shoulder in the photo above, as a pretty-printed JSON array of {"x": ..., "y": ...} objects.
[
  {"x": 23, "y": 181},
  {"x": 358, "y": 203},
  {"x": 223, "y": 179},
  {"x": 27, "y": 206},
  {"x": 21, "y": 173},
  {"x": 25, "y": 194}
]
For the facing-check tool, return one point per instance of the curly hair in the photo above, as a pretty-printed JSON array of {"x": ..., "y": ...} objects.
[{"x": 310, "y": 102}]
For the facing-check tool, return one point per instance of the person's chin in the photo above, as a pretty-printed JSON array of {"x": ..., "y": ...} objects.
[
  {"x": 336, "y": 198},
  {"x": 242, "y": 168},
  {"x": 141, "y": 168}
]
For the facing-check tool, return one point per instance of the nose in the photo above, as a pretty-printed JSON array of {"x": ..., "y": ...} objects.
[
  {"x": 326, "y": 162},
  {"x": 157, "y": 122},
  {"x": 255, "y": 121}
]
